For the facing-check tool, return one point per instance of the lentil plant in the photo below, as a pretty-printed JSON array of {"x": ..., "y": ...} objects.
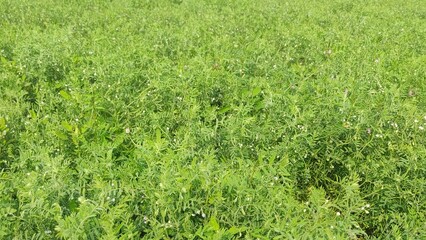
[{"x": 187, "y": 119}]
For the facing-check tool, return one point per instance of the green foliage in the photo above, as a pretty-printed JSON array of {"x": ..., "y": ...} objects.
[{"x": 184, "y": 119}]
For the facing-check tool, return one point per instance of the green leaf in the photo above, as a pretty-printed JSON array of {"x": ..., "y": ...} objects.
[
  {"x": 61, "y": 135},
  {"x": 317, "y": 197},
  {"x": 256, "y": 91},
  {"x": 4, "y": 60},
  {"x": 234, "y": 230},
  {"x": 65, "y": 95},
  {"x": 67, "y": 126},
  {"x": 2, "y": 123},
  {"x": 118, "y": 140},
  {"x": 33, "y": 114},
  {"x": 158, "y": 135},
  {"x": 87, "y": 126},
  {"x": 259, "y": 105},
  {"x": 224, "y": 110},
  {"x": 214, "y": 224}
]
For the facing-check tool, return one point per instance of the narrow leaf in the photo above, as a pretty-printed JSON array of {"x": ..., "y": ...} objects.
[
  {"x": 67, "y": 126},
  {"x": 65, "y": 95}
]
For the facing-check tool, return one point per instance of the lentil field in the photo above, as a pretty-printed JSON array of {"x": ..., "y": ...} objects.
[{"x": 196, "y": 119}]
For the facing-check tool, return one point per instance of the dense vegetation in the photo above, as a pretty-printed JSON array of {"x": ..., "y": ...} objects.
[{"x": 189, "y": 119}]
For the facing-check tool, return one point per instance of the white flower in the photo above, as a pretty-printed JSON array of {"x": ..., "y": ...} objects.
[
  {"x": 127, "y": 130},
  {"x": 337, "y": 213}
]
